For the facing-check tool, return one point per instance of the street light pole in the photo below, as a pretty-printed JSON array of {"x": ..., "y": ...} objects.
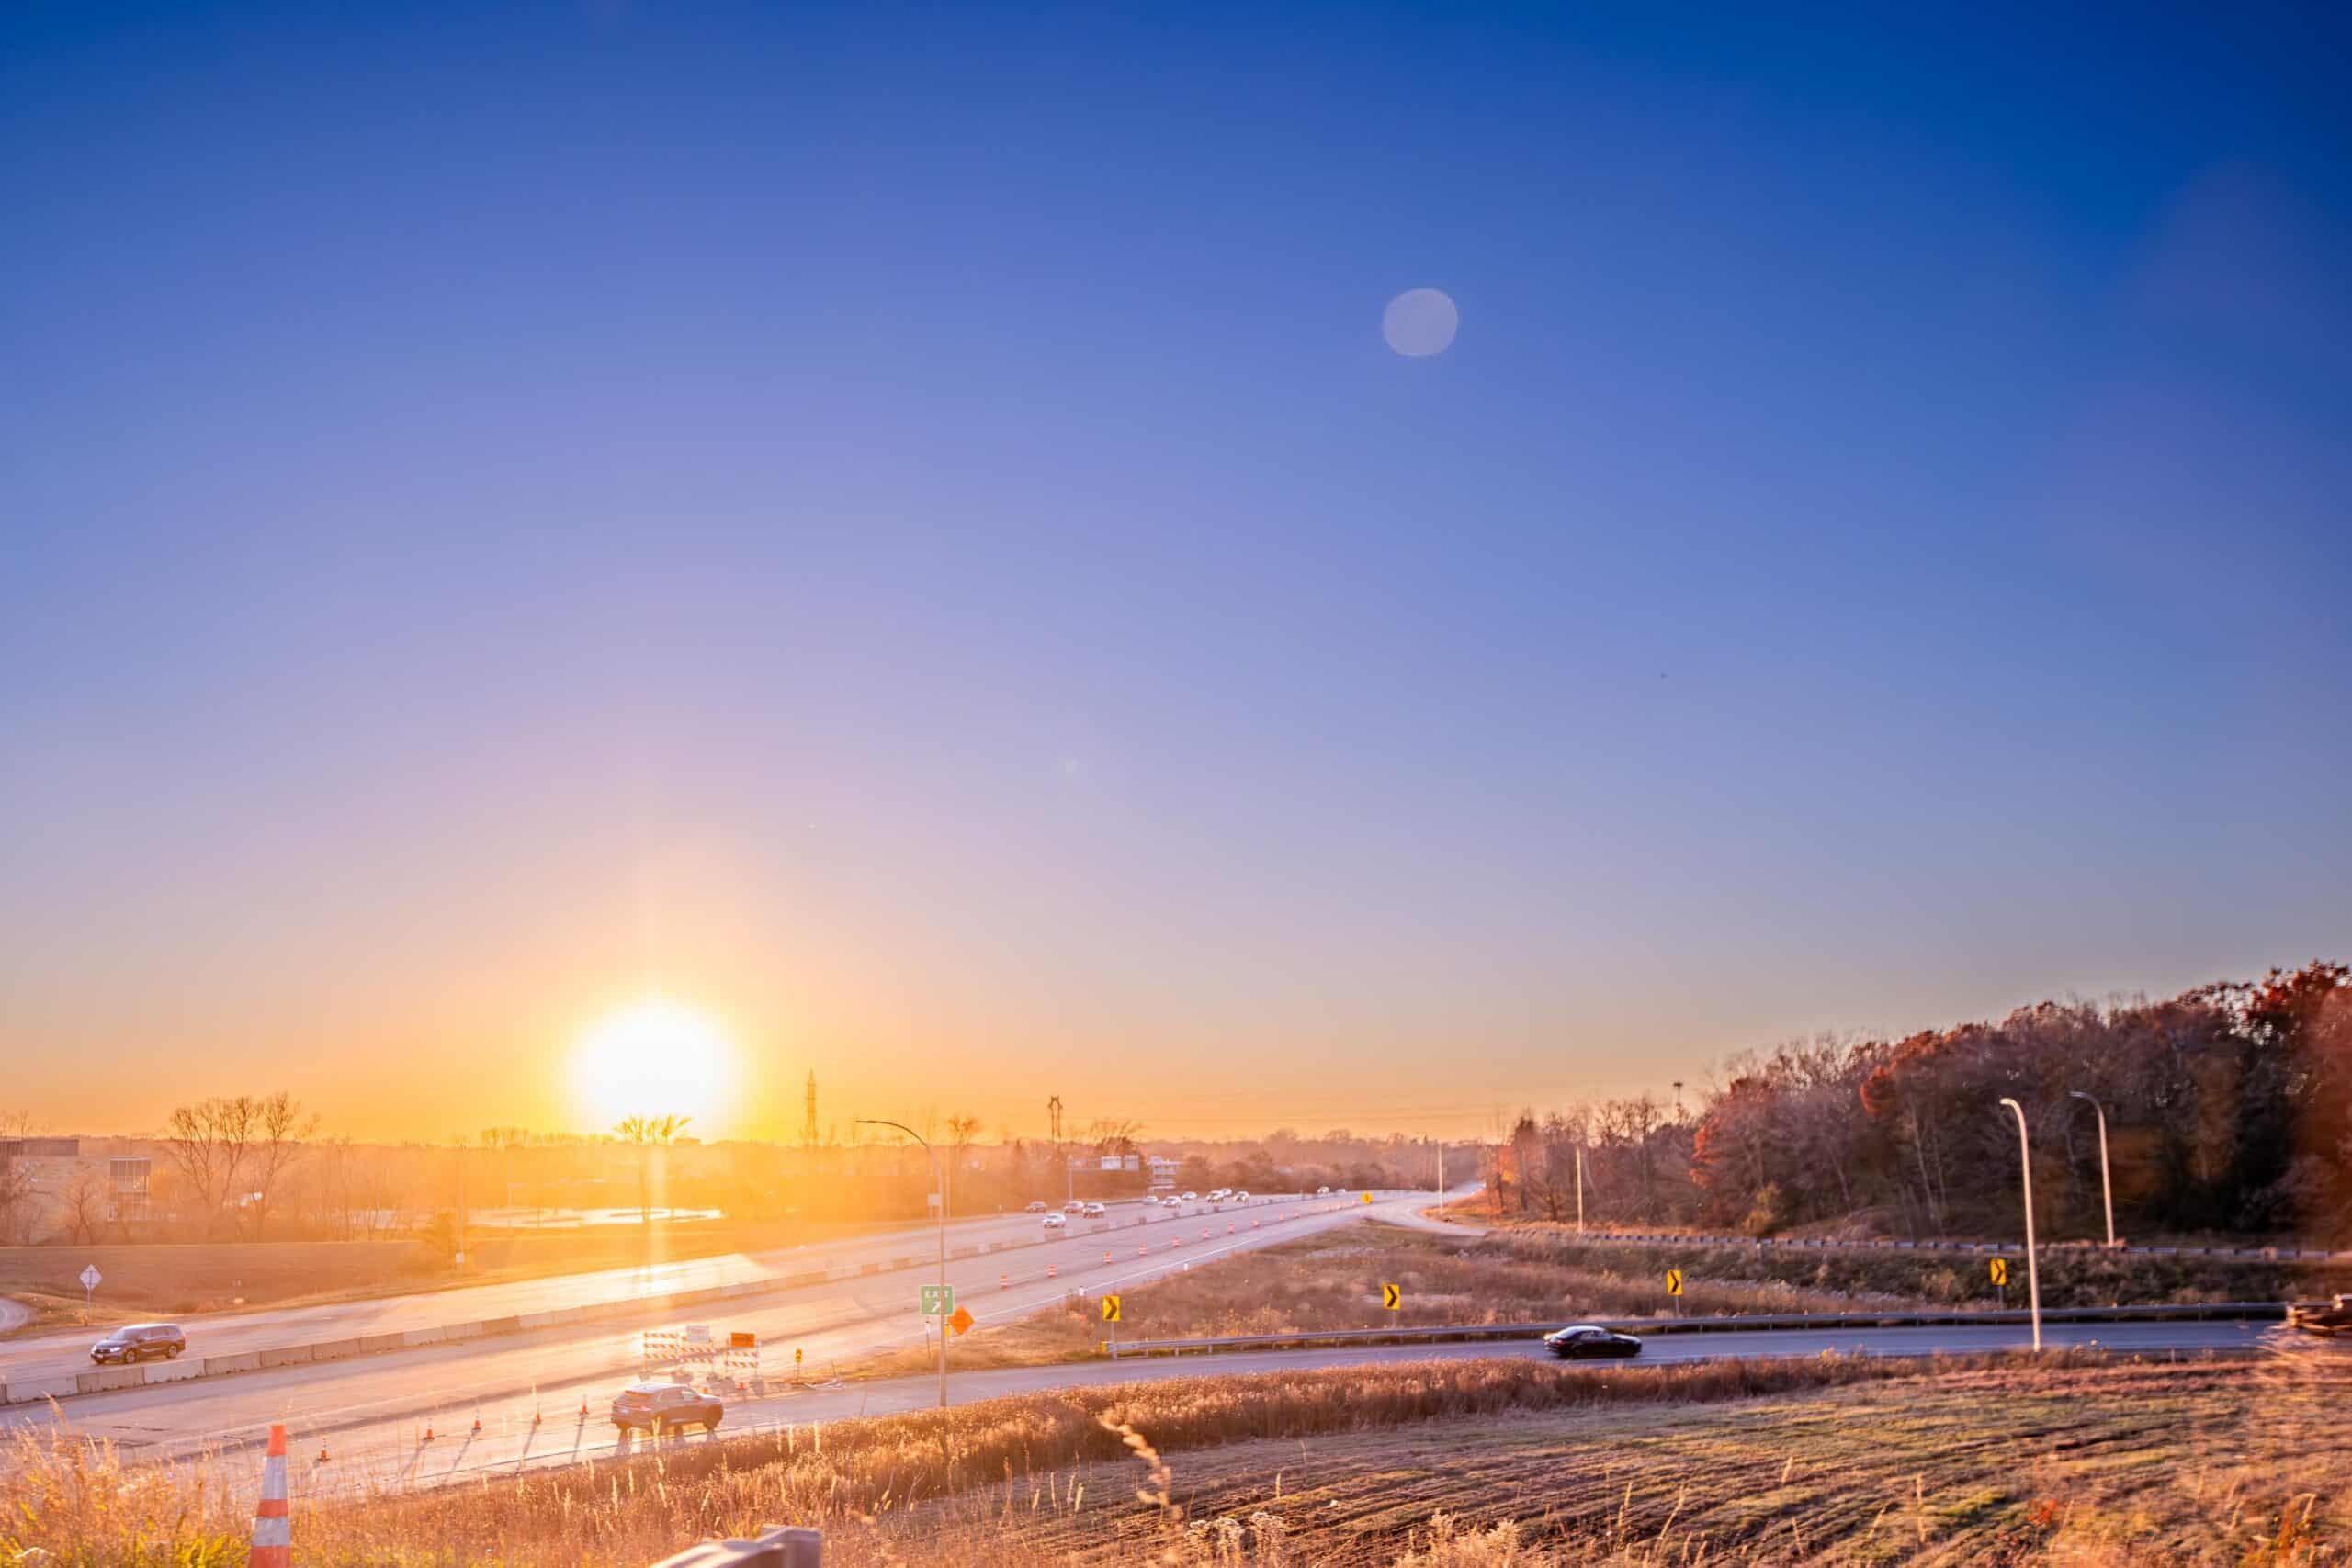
[
  {"x": 2106, "y": 1185},
  {"x": 939, "y": 1187},
  {"x": 1579, "y": 1189},
  {"x": 2032, "y": 1274}
]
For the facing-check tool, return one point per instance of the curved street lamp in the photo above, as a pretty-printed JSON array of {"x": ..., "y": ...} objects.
[
  {"x": 2032, "y": 1275},
  {"x": 2106, "y": 1186},
  {"x": 938, "y": 1187}
]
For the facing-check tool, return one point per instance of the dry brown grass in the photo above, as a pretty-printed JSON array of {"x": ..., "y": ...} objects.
[
  {"x": 1332, "y": 1280},
  {"x": 1982, "y": 1458}
]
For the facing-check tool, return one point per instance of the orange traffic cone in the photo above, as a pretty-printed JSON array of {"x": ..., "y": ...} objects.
[
  {"x": 583, "y": 1410},
  {"x": 535, "y": 1417},
  {"x": 1049, "y": 1271},
  {"x": 1107, "y": 1257},
  {"x": 1004, "y": 1282},
  {"x": 322, "y": 1455},
  {"x": 477, "y": 1426},
  {"x": 273, "y": 1545},
  {"x": 429, "y": 1435}
]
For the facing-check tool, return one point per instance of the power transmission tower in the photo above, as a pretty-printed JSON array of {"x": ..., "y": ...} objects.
[
  {"x": 1054, "y": 1117},
  {"x": 809, "y": 1119}
]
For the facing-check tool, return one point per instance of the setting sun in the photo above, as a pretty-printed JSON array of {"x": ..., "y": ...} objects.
[{"x": 656, "y": 1057}]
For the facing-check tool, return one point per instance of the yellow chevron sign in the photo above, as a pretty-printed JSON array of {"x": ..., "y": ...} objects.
[
  {"x": 1674, "y": 1281},
  {"x": 1393, "y": 1297},
  {"x": 1110, "y": 1309},
  {"x": 2000, "y": 1270}
]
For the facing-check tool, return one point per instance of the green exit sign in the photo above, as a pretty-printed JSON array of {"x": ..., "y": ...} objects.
[{"x": 938, "y": 1301}]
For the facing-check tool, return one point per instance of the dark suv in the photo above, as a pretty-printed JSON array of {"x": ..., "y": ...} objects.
[
  {"x": 140, "y": 1342},
  {"x": 660, "y": 1407}
]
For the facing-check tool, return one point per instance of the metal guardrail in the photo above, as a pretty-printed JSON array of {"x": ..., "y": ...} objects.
[
  {"x": 1820, "y": 1243},
  {"x": 778, "y": 1546},
  {"x": 2215, "y": 1311}
]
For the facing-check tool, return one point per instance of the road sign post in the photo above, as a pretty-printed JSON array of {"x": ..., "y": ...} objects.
[
  {"x": 90, "y": 1277},
  {"x": 1674, "y": 1289},
  {"x": 938, "y": 1301},
  {"x": 1393, "y": 1297}
]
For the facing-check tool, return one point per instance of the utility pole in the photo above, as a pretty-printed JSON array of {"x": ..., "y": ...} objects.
[
  {"x": 1441, "y": 1176},
  {"x": 808, "y": 1113},
  {"x": 2032, "y": 1274},
  {"x": 2106, "y": 1186},
  {"x": 1678, "y": 1099},
  {"x": 1579, "y": 1189},
  {"x": 939, "y": 1182}
]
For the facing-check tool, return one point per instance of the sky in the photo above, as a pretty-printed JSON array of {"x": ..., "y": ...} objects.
[{"x": 897, "y": 531}]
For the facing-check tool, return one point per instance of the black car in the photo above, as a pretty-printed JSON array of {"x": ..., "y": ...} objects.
[
  {"x": 1581, "y": 1340},
  {"x": 140, "y": 1342},
  {"x": 660, "y": 1407}
]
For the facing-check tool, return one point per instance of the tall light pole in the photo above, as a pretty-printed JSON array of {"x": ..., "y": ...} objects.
[
  {"x": 2032, "y": 1274},
  {"x": 1579, "y": 1190},
  {"x": 939, "y": 1186},
  {"x": 1440, "y": 1177},
  {"x": 2106, "y": 1185}
]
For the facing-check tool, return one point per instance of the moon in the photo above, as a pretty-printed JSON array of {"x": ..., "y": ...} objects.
[{"x": 1421, "y": 322}]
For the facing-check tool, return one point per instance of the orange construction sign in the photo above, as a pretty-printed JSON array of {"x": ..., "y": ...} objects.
[{"x": 962, "y": 1322}]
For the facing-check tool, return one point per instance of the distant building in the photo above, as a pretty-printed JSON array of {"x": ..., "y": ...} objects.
[{"x": 127, "y": 1186}]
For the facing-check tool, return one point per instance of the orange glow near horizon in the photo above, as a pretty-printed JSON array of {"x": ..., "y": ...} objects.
[{"x": 655, "y": 1057}]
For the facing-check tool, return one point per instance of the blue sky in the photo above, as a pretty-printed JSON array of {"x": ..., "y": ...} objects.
[{"x": 898, "y": 525}]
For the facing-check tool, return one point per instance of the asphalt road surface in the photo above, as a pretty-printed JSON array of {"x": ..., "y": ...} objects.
[
  {"x": 36, "y": 1358},
  {"x": 388, "y": 1399}
]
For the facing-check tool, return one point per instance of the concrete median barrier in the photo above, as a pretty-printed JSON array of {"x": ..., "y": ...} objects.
[
  {"x": 285, "y": 1356},
  {"x": 101, "y": 1379},
  {"x": 336, "y": 1351},
  {"x": 371, "y": 1343},
  {"x": 501, "y": 1325},
  {"x": 43, "y": 1388},
  {"x": 434, "y": 1335},
  {"x": 175, "y": 1372},
  {"x": 222, "y": 1366}
]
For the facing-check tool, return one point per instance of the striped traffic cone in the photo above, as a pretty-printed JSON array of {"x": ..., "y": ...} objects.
[{"x": 273, "y": 1530}]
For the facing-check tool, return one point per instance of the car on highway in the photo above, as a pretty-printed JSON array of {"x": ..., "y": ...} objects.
[
  {"x": 1096, "y": 1211},
  {"x": 1322, "y": 1192},
  {"x": 140, "y": 1342},
  {"x": 1242, "y": 1196},
  {"x": 1056, "y": 1221},
  {"x": 1035, "y": 1208},
  {"x": 1073, "y": 1207},
  {"x": 1191, "y": 1196},
  {"x": 659, "y": 1407},
  {"x": 1579, "y": 1340}
]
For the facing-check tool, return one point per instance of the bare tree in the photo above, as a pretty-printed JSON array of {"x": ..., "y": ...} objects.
[
  {"x": 279, "y": 1127},
  {"x": 649, "y": 1134},
  {"x": 16, "y": 1177},
  {"x": 85, "y": 1203},
  {"x": 208, "y": 1142}
]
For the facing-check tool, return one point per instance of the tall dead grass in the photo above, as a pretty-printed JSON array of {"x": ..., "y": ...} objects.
[{"x": 82, "y": 1504}]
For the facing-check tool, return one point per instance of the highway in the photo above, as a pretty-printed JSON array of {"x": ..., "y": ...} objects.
[
  {"x": 38, "y": 1357},
  {"x": 385, "y": 1401},
  {"x": 370, "y": 1415}
]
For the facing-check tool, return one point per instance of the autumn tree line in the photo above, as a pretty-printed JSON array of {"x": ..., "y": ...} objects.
[{"x": 2228, "y": 1110}]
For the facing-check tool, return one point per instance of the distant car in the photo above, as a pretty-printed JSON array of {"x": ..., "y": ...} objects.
[
  {"x": 1073, "y": 1207},
  {"x": 1056, "y": 1222},
  {"x": 1579, "y": 1340},
  {"x": 1191, "y": 1196},
  {"x": 1172, "y": 1201},
  {"x": 1095, "y": 1210},
  {"x": 659, "y": 1407},
  {"x": 1322, "y": 1192},
  {"x": 1037, "y": 1208},
  {"x": 140, "y": 1342},
  {"x": 1241, "y": 1197}
]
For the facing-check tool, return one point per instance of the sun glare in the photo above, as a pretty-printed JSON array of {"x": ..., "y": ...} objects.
[{"x": 655, "y": 1057}]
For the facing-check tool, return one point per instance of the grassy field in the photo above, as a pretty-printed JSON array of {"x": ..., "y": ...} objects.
[
  {"x": 2070, "y": 1276},
  {"x": 189, "y": 1277},
  {"x": 1984, "y": 1460}
]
